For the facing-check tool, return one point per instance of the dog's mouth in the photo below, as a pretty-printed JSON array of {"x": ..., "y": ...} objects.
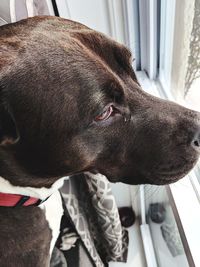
[
  {"x": 163, "y": 178},
  {"x": 172, "y": 175},
  {"x": 156, "y": 177}
]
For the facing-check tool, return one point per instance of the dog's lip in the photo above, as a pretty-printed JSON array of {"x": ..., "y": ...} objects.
[
  {"x": 166, "y": 178},
  {"x": 170, "y": 174},
  {"x": 175, "y": 173},
  {"x": 156, "y": 179}
]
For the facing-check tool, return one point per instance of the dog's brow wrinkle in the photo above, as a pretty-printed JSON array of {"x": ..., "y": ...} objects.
[{"x": 97, "y": 97}]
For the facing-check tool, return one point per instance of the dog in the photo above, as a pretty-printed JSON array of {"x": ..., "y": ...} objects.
[{"x": 70, "y": 103}]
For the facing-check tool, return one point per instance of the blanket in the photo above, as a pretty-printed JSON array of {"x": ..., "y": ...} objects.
[{"x": 90, "y": 227}]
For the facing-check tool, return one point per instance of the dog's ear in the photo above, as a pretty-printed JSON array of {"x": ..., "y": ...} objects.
[{"x": 8, "y": 130}]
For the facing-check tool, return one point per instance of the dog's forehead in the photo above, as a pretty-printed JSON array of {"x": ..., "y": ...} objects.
[
  {"x": 43, "y": 33},
  {"x": 63, "y": 57}
]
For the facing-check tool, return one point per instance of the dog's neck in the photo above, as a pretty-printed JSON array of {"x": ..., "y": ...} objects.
[{"x": 40, "y": 193}]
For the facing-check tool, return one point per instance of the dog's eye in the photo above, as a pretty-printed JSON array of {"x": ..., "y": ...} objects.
[{"x": 105, "y": 115}]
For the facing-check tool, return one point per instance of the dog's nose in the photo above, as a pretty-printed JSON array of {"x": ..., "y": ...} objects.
[{"x": 196, "y": 141}]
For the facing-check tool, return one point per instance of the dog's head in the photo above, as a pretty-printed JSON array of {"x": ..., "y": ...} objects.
[{"x": 71, "y": 103}]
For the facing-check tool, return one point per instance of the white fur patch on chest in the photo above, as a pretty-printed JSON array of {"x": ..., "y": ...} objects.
[
  {"x": 52, "y": 207},
  {"x": 53, "y": 211},
  {"x": 41, "y": 193}
]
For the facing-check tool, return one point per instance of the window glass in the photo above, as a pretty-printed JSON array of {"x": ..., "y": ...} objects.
[
  {"x": 192, "y": 79},
  {"x": 169, "y": 248}
]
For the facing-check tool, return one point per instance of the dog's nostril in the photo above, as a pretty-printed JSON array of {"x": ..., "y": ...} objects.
[{"x": 196, "y": 141}]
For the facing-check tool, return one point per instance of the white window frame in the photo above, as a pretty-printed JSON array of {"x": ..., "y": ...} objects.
[
  {"x": 166, "y": 45},
  {"x": 187, "y": 216},
  {"x": 148, "y": 37}
]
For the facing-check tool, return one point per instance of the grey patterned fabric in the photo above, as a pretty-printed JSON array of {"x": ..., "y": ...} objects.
[{"x": 93, "y": 211}]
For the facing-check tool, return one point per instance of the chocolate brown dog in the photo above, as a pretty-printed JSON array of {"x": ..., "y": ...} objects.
[{"x": 70, "y": 103}]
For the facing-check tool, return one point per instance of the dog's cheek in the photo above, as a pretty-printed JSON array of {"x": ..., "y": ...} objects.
[
  {"x": 8, "y": 129},
  {"x": 83, "y": 152}
]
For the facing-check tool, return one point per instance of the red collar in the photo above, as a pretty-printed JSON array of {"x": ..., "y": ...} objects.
[{"x": 14, "y": 200}]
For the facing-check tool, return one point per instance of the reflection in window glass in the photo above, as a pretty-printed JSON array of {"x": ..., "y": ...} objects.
[{"x": 165, "y": 233}]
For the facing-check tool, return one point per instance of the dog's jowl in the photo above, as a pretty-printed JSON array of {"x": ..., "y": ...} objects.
[{"x": 70, "y": 103}]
